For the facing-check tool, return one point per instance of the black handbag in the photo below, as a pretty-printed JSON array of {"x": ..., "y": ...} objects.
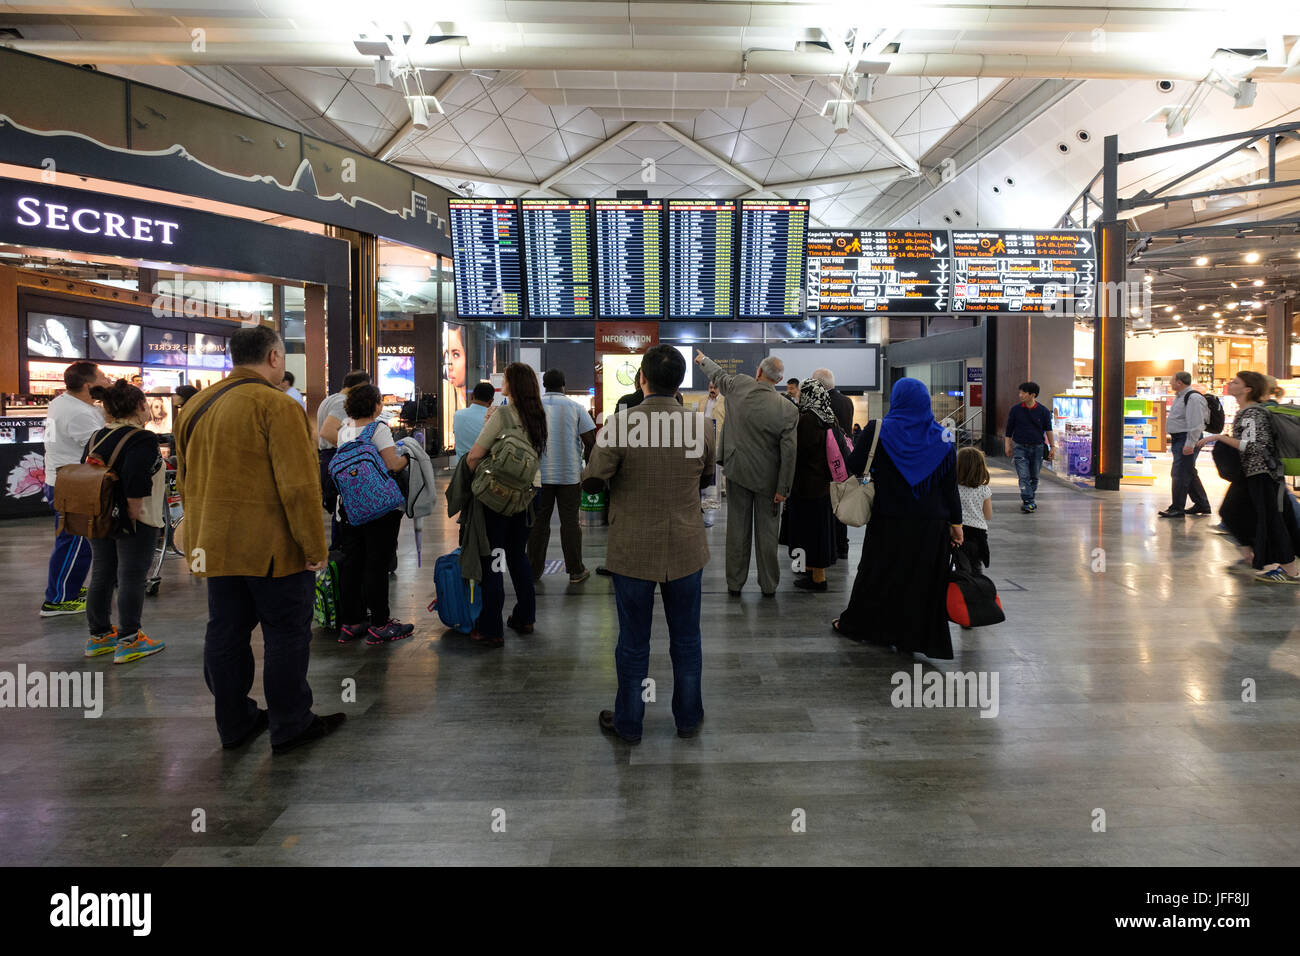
[{"x": 1228, "y": 461}]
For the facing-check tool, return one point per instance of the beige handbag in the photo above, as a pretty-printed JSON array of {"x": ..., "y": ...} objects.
[{"x": 851, "y": 500}]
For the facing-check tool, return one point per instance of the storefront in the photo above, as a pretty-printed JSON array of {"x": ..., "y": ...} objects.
[{"x": 196, "y": 278}]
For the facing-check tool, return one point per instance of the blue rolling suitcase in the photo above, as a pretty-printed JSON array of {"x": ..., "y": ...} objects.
[{"x": 459, "y": 600}]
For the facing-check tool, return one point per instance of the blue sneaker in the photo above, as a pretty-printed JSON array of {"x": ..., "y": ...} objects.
[
  {"x": 1275, "y": 576},
  {"x": 102, "y": 643},
  {"x": 133, "y": 650}
]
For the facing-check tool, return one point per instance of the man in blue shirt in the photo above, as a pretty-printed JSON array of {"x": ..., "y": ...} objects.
[
  {"x": 468, "y": 422},
  {"x": 1028, "y": 439},
  {"x": 570, "y": 435}
]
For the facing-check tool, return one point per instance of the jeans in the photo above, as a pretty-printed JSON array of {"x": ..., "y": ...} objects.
[
  {"x": 510, "y": 534},
  {"x": 635, "y": 600},
  {"x": 1028, "y": 459},
  {"x": 122, "y": 563},
  {"x": 567, "y": 499},
  {"x": 1185, "y": 479},
  {"x": 283, "y": 607},
  {"x": 69, "y": 562},
  {"x": 368, "y": 551}
]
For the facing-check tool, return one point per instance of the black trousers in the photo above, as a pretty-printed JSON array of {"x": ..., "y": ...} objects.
[
  {"x": 567, "y": 498},
  {"x": 282, "y": 606},
  {"x": 508, "y": 538},
  {"x": 368, "y": 552}
]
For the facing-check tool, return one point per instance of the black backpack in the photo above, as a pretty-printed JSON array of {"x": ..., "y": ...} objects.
[{"x": 1215, "y": 424}]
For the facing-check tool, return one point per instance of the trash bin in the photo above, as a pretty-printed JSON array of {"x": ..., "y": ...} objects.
[{"x": 593, "y": 509}]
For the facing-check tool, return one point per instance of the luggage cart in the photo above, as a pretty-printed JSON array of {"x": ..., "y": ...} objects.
[{"x": 173, "y": 515}]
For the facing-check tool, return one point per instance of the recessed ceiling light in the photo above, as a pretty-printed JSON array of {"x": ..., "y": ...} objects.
[
  {"x": 1200, "y": 308},
  {"x": 1202, "y": 261},
  {"x": 1233, "y": 284},
  {"x": 1178, "y": 318},
  {"x": 1169, "y": 308},
  {"x": 1231, "y": 306},
  {"x": 1258, "y": 282},
  {"x": 1252, "y": 257}
]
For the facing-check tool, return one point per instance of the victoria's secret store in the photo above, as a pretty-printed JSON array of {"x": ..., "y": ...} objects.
[{"x": 151, "y": 293}]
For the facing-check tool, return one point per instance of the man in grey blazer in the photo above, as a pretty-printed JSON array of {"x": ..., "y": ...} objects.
[
  {"x": 757, "y": 449},
  {"x": 655, "y": 457}
]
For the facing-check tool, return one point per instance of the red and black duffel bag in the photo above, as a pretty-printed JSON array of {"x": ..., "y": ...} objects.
[{"x": 972, "y": 597}]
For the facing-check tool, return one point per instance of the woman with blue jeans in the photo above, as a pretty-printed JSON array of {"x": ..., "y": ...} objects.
[
  {"x": 123, "y": 561},
  {"x": 508, "y": 534}
]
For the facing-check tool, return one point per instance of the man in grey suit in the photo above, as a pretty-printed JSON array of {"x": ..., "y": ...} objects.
[{"x": 757, "y": 449}]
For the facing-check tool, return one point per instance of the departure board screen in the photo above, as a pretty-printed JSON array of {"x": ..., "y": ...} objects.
[
  {"x": 700, "y": 263},
  {"x": 1024, "y": 271},
  {"x": 878, "y": 270},
  {"x": 557, "y": 252},
  {"x": 486, "y": 259},
  {"x": 772, "y": 237},
  {"x": 629, "y": 250}
]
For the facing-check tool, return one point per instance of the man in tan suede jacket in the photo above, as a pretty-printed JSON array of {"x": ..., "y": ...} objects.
[{"x": 249, "y": 479}]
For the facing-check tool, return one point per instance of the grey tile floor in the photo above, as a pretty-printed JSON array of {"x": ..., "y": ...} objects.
[{"x": 1119, "y": 690}]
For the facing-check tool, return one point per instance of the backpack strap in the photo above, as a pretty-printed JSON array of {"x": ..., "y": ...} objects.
[
  {"x": 112, "y": 459},
  {"x": 368, "y": 433},
  {"x": 192, "y": 421}
]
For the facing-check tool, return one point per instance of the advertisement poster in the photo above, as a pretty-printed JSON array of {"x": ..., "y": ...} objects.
[
  {"x": 397, "y": 378},
  {"x": 455, "y": 363},
  {"x": 618, "y": 378}
]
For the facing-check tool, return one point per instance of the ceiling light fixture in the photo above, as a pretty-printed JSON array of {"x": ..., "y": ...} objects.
[
  {"x": 1202, "y": 261},
  {"x": 1258, "y": 282},
  {"x": 1252, "y": 257}
]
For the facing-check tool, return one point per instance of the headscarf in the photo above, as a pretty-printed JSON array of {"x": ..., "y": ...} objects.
[
  {"x": 913, "y": 438},
  {"x": 814, "y": 398}
]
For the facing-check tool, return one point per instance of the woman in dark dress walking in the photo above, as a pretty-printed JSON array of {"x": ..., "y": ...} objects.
[
  {"x": 899, "y": 594},
  {"x": 808, "y": 522}
]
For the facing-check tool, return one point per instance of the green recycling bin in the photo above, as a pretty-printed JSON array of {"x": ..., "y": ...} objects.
[{"x": 593, "y": 509}]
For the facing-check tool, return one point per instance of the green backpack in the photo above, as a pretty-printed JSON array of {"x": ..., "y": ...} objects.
[
  {"x": 1286, "y": 426},
  {"x": 504, "y": 480}
]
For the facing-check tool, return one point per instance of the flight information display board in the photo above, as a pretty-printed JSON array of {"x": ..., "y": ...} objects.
[
  {"x": 486, "y": 258},
  {"x": 904, "y": 271},
  {"x": 700, "y": 258},
  {"x": 772, "y": 250},
  {"x": 557, "y": 255},
  {"x": 629, "y": 251},
  {"x": 1049, "y": 270}
]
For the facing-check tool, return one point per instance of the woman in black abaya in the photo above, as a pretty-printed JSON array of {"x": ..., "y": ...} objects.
[{"x": 899, "y": 594}]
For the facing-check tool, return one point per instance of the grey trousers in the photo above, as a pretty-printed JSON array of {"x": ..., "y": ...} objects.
[{"x": 750, "y": 516}]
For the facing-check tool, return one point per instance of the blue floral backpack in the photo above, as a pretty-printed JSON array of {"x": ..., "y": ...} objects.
[{"x": 366, "y": 490}]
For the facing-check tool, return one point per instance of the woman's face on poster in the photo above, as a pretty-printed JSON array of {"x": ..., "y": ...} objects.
[
  {"x": 157, "y": 410},
  {"x": 453, "y": 358}
]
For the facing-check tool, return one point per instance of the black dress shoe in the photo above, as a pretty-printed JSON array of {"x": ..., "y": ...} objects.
[
  {"x": 260, "y": 723},
  {"x": 808, "y": 584},
  {"x": 518, "y": 628},
  {"x": 735, "y": 593},
  {"x": 693, "y": 732},
  {"x": 318, "y": 728},
  {"x": 1200, "y": 512},
  {"x": 769, "y": 594},
  {"x": 605, "y": 571},
  {"x": 1171, "y": 513},
  {"x": 607, "y": 725}
]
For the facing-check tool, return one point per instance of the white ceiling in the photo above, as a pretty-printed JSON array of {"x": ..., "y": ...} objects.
[{"x": 585, "y": 98}]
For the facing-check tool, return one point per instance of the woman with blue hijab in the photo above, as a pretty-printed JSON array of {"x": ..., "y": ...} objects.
[{"x": 899, "y": 594}]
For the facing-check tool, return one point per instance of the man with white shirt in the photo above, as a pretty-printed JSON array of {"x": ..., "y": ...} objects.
[
  {"x": 1187, "y": 418},
  {"x": 72, "y": 418},
  {"x": 570, "y": 436}
]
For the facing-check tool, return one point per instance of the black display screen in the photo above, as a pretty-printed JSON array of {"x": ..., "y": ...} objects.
[
  {"x": 486, "y": 257},
  {"x": 1024, "y": 271},
  {"x": 701, "y": 269},
  {"x": 772, "y": 251},
  {"x": 629, "y": 250},
  {"x": 557, "y": 252},
  {"x": 904, "y": 271}
]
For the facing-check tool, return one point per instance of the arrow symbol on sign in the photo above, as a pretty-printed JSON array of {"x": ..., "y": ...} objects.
[
  {"x": 940, "y": 304},
  {"x": 938, "y": 244},
  {"x": 1087, "y": 246}
]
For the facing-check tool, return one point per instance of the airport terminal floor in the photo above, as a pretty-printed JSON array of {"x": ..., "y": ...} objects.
[{"x": 1120, "y": 689}]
